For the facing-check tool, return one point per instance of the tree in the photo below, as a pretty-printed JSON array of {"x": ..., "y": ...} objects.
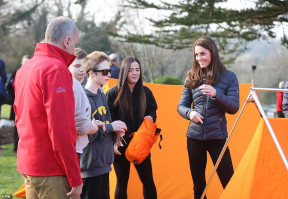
[
  {"x": 15, "y": 31},
  {"x": 155, "y": 61},
  {"x": 92, "y": 36},
  {"x": 10, "y": 15},
  {"x": 23, "y": 25},
  {"x": 230, "y": 28}
]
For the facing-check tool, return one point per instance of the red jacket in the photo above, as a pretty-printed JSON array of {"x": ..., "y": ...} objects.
[
  {"x": 279, "y": 100},
  {"x": 44, "y": 107}
]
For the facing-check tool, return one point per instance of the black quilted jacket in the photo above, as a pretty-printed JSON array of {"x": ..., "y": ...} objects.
[{"x": 212, "y": 109}]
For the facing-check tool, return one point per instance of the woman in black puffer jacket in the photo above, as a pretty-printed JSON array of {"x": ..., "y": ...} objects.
[{"x": 213, "y": 90}]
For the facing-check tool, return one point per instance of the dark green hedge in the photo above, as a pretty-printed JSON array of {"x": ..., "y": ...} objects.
[{"x": 168, "y": 80}]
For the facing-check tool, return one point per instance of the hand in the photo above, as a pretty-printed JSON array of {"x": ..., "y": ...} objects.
[
  {"x": 116, "y": 151},
  {"x": 195, "y": 117},
  {"x": 100, "y": 124},
  {"x": 75, "y": 192},
  {"x": 95, "y": 127},
  {"x": 119, "y": 126},
  {"x": 120, "y": 133},
  {"x": 149, "y": 117},
  {"x": 117, "y": 144},
  {"x": 208, "y": 90}
]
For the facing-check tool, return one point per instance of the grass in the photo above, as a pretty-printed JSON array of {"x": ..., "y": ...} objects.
[
  {"x": 11, "y": 180},
  {"x": 5, "y": 111}
]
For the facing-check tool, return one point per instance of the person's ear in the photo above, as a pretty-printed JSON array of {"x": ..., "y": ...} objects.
[
  {"x": 91, "y": 73},
  {"x": 67, "y": 42}
]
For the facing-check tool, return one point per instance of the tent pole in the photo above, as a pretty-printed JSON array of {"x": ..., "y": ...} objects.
[
  {"x": 269, "y": 89},
  {"x": 255, "y": 97},
  {"x": 225, "y": 146},
  {"x": 269, "y": 127}
]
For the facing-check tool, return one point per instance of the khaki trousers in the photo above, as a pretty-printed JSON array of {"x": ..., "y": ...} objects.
[{"x": 50, "y": 187}]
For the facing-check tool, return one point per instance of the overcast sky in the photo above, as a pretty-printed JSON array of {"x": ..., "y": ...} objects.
[{"x": 105, "y": 9}]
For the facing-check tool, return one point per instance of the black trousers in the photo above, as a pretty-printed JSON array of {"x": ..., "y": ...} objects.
[
  {"x": 96, "y": 187},
  {"x": 16, "y": 139},
  {"x": 279, "y": 114},
  {"x": 197, "y": 151},
  {"x": 144, "y": 170}
]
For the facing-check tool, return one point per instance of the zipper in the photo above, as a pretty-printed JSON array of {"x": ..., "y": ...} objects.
[
  {"x": 204, "y": 76},
  {"x": 205, "y": 98}
]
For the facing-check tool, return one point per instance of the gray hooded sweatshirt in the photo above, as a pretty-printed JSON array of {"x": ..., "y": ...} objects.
[{"x": 98, "y": 155}]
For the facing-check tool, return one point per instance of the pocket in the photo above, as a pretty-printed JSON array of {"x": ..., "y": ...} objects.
[
  {"x": 89, "y": 156},
  {"x": 104, "y": 152},
  {"x": 216, "y": 133},
  {"x": 195, "y": 128}
]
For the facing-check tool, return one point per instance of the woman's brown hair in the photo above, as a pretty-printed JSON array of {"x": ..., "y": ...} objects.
[
  {"x": 195, "y": 75},
  {"x": 124, "y": 98}
]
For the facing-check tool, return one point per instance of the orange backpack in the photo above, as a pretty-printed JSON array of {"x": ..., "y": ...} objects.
[{"x": 142, "y": 141}]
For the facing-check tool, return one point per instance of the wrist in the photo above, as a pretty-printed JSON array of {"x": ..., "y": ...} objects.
[
  {"x": 188, "y": 113},
  {"x": 214, "y": 97}
]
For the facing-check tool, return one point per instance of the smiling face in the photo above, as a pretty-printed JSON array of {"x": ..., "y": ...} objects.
[
  {"x": 133, "y": 74},
  {"x": 77, "y": 69},
  {"x": 203, "y": 56}
]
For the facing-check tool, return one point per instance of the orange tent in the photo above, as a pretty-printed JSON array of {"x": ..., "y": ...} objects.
[
  {"x": 20, "y": 192},
  {"x": 170, "y": 164},
  {"x": 262, "y": 173}
]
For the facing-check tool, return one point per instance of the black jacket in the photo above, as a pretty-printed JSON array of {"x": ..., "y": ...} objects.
[
  {"x": 11, "y": 94},
  {"x": 132, "y": 125},
  {"x": 212, "y": 109},
  {"x": 115, "y": 71}
]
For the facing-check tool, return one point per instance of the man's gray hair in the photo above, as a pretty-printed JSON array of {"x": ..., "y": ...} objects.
[
  {"x": 60, "y": 28},
  {"x": 114, "y": 57}
]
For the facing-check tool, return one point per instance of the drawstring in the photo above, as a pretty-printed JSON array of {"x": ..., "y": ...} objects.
[{"x": 161, "y": 138}]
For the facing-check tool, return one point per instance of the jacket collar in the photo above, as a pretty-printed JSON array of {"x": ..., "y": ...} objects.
[{"x": 54, "y": 51}]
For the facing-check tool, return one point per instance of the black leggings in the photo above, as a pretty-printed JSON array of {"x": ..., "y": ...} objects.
[
  {"x": 197, "y": 151},
  {"x": 144, "y": 170},
  {"x": 96, "y": 187}
]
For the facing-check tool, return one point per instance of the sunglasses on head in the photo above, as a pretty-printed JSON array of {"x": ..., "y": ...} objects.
[{"x": 104, "y": 71}]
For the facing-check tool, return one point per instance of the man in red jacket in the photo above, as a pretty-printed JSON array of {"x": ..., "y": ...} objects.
[{"x": 44, "y": 107}]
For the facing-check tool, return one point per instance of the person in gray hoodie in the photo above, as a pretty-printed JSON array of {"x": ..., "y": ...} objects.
[{"x": 98, "y": 155}]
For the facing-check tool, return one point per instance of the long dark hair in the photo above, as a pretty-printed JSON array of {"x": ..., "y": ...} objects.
[
  {"x": 195, "y": 75},
  {"x": 124, "y": 98}
]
